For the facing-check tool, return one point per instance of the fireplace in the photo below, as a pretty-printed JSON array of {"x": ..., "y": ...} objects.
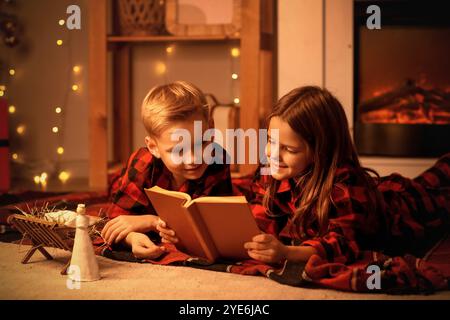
[{"x": 402, "y": 79}]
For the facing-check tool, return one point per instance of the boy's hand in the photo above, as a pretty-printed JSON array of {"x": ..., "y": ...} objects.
[
  {"x": 142, "y": 247},
  {"x": 118, "y": 228},
  {"x": 167, "y": 234},
  {"x": 266, "y": 248}
]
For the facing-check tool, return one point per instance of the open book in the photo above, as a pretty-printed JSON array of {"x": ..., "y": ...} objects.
[{"x": 207, "y": 227}]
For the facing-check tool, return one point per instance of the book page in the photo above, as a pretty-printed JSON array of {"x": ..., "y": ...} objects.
[
  {"x": 177, "y": 194},
  {"x": 231, "y": 199},
  {"x": 230, "y": 225}
]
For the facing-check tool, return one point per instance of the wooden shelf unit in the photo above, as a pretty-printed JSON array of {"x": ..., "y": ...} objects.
[
  {"x": 166, "y": 38},
  {"x": 256, "y": 80}
]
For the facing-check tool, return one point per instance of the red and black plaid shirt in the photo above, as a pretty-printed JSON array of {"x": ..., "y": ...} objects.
[
  {"x": 145, "y": 171},
  {"x": 415, "y": 213}
]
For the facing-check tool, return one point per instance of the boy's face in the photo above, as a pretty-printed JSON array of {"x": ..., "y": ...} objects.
[
  {"x": 165, "y": 147},
  {"x": 288, "y": 155}
]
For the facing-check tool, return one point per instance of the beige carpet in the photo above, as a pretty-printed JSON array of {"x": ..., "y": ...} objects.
[{"x": 41, "y": 279}]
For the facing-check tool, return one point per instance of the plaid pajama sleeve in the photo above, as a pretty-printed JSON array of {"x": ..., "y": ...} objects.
[
  {"x": 351, "y": 223},
  {"x": 128, "y": 195}
]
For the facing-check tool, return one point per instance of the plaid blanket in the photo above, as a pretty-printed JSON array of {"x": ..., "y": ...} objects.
[{"x": 397, "y": 275}]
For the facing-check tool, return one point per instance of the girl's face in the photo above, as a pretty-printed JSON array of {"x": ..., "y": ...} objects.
[{"x": 289, "y": 155}]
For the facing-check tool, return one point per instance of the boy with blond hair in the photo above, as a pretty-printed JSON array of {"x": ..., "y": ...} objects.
[{"x": 165, "y": 110}]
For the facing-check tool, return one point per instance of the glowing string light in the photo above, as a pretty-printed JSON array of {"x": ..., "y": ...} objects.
[
  {"x": 63, "y": 176},
  {"x": 235, "y": 52},
  {"x": 21, "y": 129},
  {"x": 160, "y": 68},
  {"x": 169, "y": 49}
]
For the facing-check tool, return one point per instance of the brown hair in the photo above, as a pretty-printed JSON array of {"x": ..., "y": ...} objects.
[
  {"x": 172, "y": 102},
  {"x": 319, "y": 118}
]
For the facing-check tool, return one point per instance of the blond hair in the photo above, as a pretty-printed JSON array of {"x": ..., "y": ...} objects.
[{"x": 166, "y": 104}]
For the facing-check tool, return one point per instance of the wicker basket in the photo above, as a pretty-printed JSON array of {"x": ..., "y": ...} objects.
[{"x": 141, "y": 17}]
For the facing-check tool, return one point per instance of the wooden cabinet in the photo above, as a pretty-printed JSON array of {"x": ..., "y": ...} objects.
[{"x": 256, "y": 80}]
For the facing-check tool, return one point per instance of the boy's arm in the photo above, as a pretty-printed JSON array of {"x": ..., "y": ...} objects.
[
  {"x": 127, "y": 193},
  {"x": 131, "y": 210},
  {"x": 117, "y": 229},
  {"x": 114, "y": 211},
  {"x": 142, "y": 247}
]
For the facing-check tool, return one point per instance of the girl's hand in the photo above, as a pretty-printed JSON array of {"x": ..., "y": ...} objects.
[
  {"x": 142, "y": 247},
  {"x": 167, "y": 234},
  {"x": 266, "y": 248},
  {"x": 118, "y": 228}
]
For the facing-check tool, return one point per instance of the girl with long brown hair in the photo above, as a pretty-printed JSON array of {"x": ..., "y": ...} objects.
[{"x": 320, "y": 200}]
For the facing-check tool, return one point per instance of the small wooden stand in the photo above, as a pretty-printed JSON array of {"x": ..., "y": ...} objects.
[{"x": 42, "y": 234}]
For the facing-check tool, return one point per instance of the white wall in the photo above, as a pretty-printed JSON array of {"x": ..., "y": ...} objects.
[
  {"x": 300, "y": 44},
  {"x": 339, "y": 52}
]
